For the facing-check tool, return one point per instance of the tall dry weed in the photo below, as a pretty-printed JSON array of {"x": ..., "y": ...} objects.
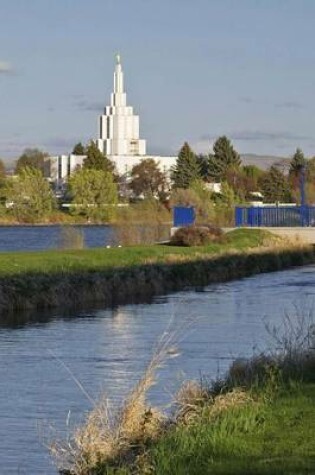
[{"x": 110, "y": 434}]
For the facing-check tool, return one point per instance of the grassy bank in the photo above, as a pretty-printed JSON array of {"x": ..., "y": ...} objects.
[
  {"x": 258, "y": 419},
  {"x": 133, "y": 274},
  {"x": 240, "y": 433}
]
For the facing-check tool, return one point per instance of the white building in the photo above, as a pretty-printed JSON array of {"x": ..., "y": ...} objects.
[
  {"x": 58, "y": 168},
  {"x": 118, "y": 131}
]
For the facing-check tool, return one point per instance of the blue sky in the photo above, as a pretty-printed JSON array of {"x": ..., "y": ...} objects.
[{"x": 194, "y": 70}]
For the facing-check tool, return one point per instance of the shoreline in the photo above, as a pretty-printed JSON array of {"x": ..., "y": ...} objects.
[{"x": 78, "y": 285}]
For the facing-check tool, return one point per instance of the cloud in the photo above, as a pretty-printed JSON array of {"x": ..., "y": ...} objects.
[
  {"x": 86, "y": 105},
  {"x": 258, "y": 135},
  {"x": 246, "y": 100},
  {"x": 289, "y": 105},
  {"x": 5, "y": 67}
]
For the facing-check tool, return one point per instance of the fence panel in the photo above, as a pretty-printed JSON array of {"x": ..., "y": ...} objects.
[
  {"x": 274, "y": 216},
  {"x": 183, "y": 216}
]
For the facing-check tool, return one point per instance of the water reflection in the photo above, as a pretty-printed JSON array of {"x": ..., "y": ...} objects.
[{"x": 107, "y": 350}]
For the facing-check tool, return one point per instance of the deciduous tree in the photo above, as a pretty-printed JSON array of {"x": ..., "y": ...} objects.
[
  {"x": 148, "y": 180},
  {"x": 31, "y": 157},
  {"x": 94, "y": 193},
  {"x": 30, "y": 195}
]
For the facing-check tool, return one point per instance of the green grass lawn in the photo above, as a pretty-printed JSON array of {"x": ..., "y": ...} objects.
[
  {"x": 102, "y": 258},
  {"x": 261, "y": 438}
]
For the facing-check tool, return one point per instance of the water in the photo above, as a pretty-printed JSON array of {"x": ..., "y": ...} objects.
[
  {"x": 37, "y": 238},
  {"x": 108, "y": 349}
]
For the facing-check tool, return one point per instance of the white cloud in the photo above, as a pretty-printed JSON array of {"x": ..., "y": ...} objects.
[{"x": 5, "y": 67}]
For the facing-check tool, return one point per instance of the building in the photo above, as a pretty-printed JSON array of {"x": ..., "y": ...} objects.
[
  {"x": 118, "y": 131},
  {"x": 118, "y": 138},
  {"x": 57, "y": 169}
]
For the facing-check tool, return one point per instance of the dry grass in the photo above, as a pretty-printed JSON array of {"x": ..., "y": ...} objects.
[
  {"x": 71, "y": 238},
  {"x": 116, "y": 435},
  {"x": 193, "y": 399}
]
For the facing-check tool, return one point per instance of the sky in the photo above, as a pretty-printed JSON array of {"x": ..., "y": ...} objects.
[{"x": 194, "y": 70}]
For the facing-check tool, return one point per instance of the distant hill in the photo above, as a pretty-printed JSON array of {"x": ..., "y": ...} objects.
[{"x": 265, "y": 161}]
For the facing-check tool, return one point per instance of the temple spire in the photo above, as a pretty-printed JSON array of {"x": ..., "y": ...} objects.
[{"x": 119, "y": 126}]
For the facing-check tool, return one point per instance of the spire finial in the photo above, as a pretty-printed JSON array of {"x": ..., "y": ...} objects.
[{"x": 117, "y": 58}]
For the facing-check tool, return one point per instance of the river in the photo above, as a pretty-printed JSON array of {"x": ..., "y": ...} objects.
[
  {"x": 106, "y": 350},
  {"x": 38, "y": 238}
]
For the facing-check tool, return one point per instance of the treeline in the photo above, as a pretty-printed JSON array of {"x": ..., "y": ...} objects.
[{"x": 94, "y": 190}]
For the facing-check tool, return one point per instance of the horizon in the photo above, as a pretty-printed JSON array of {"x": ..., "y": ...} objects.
[{"x": 251, "y": 80}]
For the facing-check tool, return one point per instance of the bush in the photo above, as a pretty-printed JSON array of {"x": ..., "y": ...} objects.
[{"x": 196, "y": 236}]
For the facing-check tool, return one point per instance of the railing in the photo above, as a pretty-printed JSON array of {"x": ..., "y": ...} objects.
[{"x": 275, "y": 216}]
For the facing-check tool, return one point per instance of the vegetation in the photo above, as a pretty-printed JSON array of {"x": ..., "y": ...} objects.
[
  {"x": 96, "y": 160},
  {"x": 30, "y": 195},
  {"x": 94, "y": 194},
  {"x": 134, "y": 274},
  {"x": 258, "y": 419},
  {"x": 31, "y": 158},
  {"x": 275, "y": 187},
  {"x": 224, "y": 158},
  {"x": 196, "y": 236},
  {"x": 148, "y": 181},
  {"x": 187, "y": 168},
  {"x": 78, "y": 149}
]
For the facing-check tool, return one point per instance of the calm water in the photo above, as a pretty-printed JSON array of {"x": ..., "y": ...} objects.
[
  {"x": 107, "y": 350},
  {"x": 37, "y": 238}
]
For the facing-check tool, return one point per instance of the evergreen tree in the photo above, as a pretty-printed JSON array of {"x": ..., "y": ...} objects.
[
  {"x": 298, "y": 162},
  {"x": 223, "y": 158},
  {"x": 96, "y": 160},
  {"x": 275, "y": 187},
  {"x": 186, "y": 169},
  {"x": 203, "y": 161},
  {"x": 78, "y": 149}
]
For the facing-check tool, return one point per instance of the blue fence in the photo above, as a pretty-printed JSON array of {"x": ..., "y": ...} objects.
[
  {"x": 183, "y": 216},
  {"x": 275, "y": 216}
]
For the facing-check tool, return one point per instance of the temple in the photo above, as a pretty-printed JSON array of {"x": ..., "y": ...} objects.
[
  {"x": 118, "y": 126},
  {"x": 118, "y": 131}
]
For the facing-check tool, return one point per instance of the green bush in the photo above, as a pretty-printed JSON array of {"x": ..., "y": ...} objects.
[{"x": 196, "y": 236}]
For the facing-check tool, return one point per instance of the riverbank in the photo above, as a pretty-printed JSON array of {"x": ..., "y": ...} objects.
[
  {"x": 114, "y": 276},
  {"x": 258, "y": 419}
]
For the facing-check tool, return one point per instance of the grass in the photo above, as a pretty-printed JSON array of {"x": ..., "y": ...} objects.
[
  {"x": 108, "y": 277},
  {"x": 266, "y": 426},
  {"x": 55, "y": 261},
  {"x": 255, "y": 438}
]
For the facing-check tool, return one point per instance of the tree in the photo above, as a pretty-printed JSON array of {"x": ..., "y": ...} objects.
[
  {"x": 203, "y": 161},
  {"x": 31, "y": 157},
  {"x": 186, "y": 169},
  {"x": 275, "y": 187},
  {"x": 30, "y": 195},
  {"x": 96, "y": 160},
  {"x": 223, "y": 158},
  {"x": 148, "y": 180},
  {"x": 298, "y": 166},
  {"x": 298, "y": 162},
  {"x": 78, "y": 149},
  {"x": 94, "y": 193}
]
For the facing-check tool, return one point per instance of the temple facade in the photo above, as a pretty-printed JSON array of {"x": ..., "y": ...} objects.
[
  {"x": 118, "y": 131},
  {"x": 118, "y": 127}
]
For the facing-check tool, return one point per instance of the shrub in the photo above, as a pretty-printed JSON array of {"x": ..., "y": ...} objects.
[{"x": 197, "y": 236}]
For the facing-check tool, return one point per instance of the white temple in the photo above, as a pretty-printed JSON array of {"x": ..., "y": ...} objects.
[
  {"x": 118, "y": 126},
  {"x": 118, "y": 131}
]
